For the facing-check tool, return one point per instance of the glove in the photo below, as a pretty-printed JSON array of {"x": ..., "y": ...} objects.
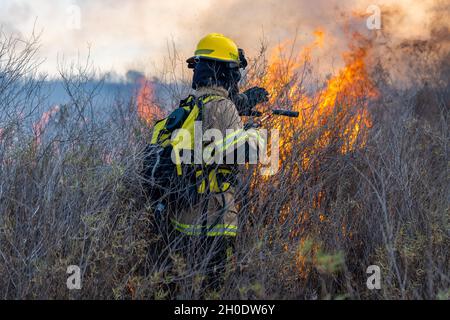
[
  {"x": 256, "y": 95},
  {"x": 246, "y": 101}
]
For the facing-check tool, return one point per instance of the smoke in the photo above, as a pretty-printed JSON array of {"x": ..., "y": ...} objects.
[
  {"x": 118, "y": 35},
  {"x": 124, "y": 35},
  {"x": 402, "y": 20},
  {"x": 244, "y": 20},
  {"x": 414, "y": 40},
  {"x": 133, "y": 76}
]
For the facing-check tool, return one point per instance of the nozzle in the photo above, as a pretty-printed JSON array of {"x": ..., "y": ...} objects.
[{"x": 286, "y": 113}]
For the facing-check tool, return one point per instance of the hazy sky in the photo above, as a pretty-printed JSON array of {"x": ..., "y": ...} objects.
[{"x": 134, "y": 34}]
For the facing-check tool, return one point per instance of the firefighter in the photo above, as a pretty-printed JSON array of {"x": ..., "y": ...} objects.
[{"x": 205, "y": 226}]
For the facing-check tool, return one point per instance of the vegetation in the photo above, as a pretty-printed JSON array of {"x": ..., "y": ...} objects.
[{"x": 363, "y": 181}]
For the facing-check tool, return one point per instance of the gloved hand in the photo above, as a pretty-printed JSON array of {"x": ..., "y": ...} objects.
[
  {"x": 246, "y": 101},
  {"x": 256, "y": 95}
]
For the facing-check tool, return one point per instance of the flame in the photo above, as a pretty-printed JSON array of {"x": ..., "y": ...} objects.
[
  {"x": 147, "y": 109},
  {"x": 320, "y": 37},
  {"x": 333, "y": 118},
  {"x": 41, "y": 124},
  {"x": 340, "y": 106}
]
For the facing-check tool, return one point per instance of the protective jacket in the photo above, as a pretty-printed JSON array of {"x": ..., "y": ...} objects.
[{"x": 215, "y": 213}]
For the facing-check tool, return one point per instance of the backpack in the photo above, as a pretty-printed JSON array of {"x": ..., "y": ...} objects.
[{"x": 164, "y": 179}]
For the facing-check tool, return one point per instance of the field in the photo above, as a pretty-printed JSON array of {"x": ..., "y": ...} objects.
[{"x": 363, "y": 180}]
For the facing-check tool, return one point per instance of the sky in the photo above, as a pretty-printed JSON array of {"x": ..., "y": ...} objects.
[{"x": 136, "y": 34}]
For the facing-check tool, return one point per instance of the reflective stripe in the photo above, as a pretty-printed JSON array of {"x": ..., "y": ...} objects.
[
  {"x": 228, "y": 145},
  {"x": 211, "y": 97},
  {"x": 231, "y": 140},
  {"x": 196, "y": 230},
  {"x": 227, "y": 140}
]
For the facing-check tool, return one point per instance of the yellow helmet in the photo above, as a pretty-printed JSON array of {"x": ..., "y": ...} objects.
[{"x": 216, "y": 46}]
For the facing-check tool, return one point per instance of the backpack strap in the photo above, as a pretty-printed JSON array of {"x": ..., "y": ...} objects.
[
  {"x": 188, "y": 101},
  {"x": 204, "y": 99},
  {"x": 210, "y": 97},
  {"x": 195, "y": 104}
]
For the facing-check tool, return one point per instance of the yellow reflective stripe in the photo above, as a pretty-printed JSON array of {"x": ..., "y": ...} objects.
[
  {"x": 222, "y": 233},
  {"x": 208, "y": 233},
  {"x": 230, "y": 140},
  {"x": 227, "y": 140},
  {"x": 211, "y": 97},
  {"x": 232, "y": 137},
  {"x": 182, "y": 225},
  {"x": 199, "y": 230},
  {"x": 242, "y": 138},
  {"x": 232, "y": 143},
  {"x": 217, "y": 230}
]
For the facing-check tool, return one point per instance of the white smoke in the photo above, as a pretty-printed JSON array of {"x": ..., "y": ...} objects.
[{"x": 134, "y": 34}]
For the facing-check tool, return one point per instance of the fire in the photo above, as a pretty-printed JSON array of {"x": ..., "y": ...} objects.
[
  {"x": 333, "y": 118},
  {"x": 320, "y": 37},
  {"x": 339, "y": 107},
  {"x": 40, "y": 126},
  {"x": 147, "y": 108}
]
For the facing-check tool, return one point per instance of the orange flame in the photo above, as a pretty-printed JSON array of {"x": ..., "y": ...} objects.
[
  {"x": 334, "y": 117},
  {"x": 147, "y": 109},
  {"x": 41, "y": 124},
  {"x": 342, "y": 100}
]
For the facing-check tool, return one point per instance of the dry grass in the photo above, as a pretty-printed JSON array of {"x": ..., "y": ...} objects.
[{"x": 77, "y": 198}]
